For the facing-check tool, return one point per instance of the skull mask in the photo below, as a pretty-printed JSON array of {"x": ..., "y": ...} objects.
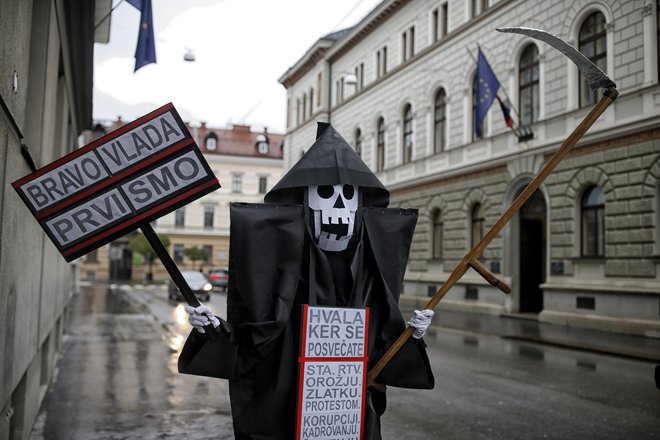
[{"x": 334, "y": 209}]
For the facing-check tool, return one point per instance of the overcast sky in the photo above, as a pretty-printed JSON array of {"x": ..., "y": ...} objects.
[{"x": 241, "y": 47}]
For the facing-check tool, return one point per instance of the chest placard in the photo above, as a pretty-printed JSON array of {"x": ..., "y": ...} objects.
[{"x": 332, "y": 375}]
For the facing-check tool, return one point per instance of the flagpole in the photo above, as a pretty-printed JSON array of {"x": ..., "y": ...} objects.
[{"x": 108, "y": 14}]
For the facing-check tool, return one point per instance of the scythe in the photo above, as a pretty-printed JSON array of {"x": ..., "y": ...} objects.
[{"x": 596, "y": 79}]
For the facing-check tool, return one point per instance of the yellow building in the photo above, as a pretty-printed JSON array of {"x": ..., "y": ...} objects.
[{"x": 247, "y": 164}]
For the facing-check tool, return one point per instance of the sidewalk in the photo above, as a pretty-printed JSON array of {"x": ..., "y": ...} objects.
[
  {"x": 527, "y": 328},
  {"x": 117, "y": 379}
]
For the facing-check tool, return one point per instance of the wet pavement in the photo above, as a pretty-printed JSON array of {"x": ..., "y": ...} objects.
[
  {"x": 496, "y": 378},
  {"x": 117, "y": 379},
  {"x": 529, "y": 329}
]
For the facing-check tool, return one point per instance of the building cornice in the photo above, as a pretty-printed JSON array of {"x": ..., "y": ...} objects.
[{"x": 369, "y": 24}]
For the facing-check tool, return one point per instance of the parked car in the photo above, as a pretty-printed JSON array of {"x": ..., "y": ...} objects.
[
  {"x": 198, "y": 283},
  {"x": 219, "y": 278}
]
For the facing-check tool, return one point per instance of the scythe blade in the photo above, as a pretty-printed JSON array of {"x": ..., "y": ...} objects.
[{"x": 595, "y": 77}]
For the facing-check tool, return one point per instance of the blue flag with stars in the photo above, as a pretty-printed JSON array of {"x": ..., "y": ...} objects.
[
  {"x": 145, "y": 53},
  {"x": 487, "y": 86}
]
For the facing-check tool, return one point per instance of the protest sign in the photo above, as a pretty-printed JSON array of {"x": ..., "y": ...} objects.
[
  {"x": 117, "y": 183},
  {"x": 332, "y": 376}
]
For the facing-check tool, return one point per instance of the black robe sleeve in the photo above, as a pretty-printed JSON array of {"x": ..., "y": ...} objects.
[
  {"x": 266, "y": 247},
  {"x": 410, "y": 367}
]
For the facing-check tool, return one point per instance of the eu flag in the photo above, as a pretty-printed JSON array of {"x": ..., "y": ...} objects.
[
  {"x": 487, "y": 85},
  {"x": 145, "y": 53}
]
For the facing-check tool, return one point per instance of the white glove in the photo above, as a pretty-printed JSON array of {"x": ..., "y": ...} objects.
[
  {"x": 201, "y": 316},
  {"x": 420, "y": 322}
]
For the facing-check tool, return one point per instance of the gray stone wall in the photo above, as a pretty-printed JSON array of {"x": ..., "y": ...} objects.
[{"x": 38, "y": 109}]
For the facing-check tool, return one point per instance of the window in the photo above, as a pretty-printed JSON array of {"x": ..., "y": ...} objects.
[
  {"x": 211, "y": 142},
  {"x": 440, "y": 121},
  {"x": 304, "y": 107},
  {"x": 411, "y": 35},
  {"x": 444, "y": 20},
  {"x": 319, "y": 83},
  {"x": 340, "y": 89},
  {"x": 408, "y": 44},
  {"x": 359, "y": 76},
  {"x": 262, "y": 144},
  {"x": 404, "y": 46},
  {"x": 593, "y": 222},
  {"x": 439, "y": 24},
  {"x": 311, "y": 101},
  {"x": 380, "y": 145},
  {"x": 180, "y": 218},
  {"x": 209, "y": 213},
  {"x": 592, "y": 42},
  {"x": 407, "y": 133},
  {"x": 298, "y": 111},
  {"x": 358, "y": 142},
  {"x": 236, "y": 183},
  {"x": 381, "y": 62},
  {"x": 263, "y": 184},
  {"x": 478, "y": 7},
  {"x": 208, "y": 253},
  {"x": 477, "y": 223},
  {"x": 178, "y": 253},
  {"x": 437, "y": 234},
  {"x": 528, "y": 80}
]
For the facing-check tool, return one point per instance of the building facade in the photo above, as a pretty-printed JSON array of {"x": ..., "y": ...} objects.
[
  {"x": 46, "y": 71},
  {"x": 400, "y": 87},
  {"x": 247, "y": 163}
]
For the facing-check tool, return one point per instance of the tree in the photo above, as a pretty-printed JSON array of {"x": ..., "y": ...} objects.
[
  {"x": 196, "y": 254},
  {"x": 140, "y": 245}
]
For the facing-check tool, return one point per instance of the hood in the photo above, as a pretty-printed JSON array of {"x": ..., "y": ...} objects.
[{"x": 329, "y": 161}]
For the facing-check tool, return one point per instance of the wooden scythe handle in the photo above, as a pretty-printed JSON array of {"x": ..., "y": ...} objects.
[{"x": 610, "y": 95}]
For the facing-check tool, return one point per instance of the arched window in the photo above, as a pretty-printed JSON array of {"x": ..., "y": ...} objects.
[
  {"x": 592, "y": 42},
  {"x": 528, "y": 82},
  {"x": 304, "y": 107},
  {"x": 407, "y": 133},
  {"x": 593, "y": 222},
  {"x": 380, "y": 145},
  {"x": 440, "y": 121},
  {"x": 311, "y": 101},
  {"x": 437, "y": 234},
  {"x": 477, "y": 224},
  {"x": 358, "y": 142}
]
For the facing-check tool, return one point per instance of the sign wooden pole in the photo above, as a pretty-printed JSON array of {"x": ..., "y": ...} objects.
[{"x": 475, "y": 252}]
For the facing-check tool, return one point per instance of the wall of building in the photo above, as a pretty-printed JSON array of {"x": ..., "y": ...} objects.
[
  {"x": 619, "y": 291},
  {"x": 45, "y": 105}
]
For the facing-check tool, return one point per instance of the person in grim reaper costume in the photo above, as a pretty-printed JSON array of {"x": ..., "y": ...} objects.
[{"x": 324, "y": 237}]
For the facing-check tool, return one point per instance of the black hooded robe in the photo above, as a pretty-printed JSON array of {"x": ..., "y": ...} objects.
[{"x": 275, "y": 267}]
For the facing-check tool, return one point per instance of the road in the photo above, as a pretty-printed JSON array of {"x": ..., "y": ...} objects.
[
  {"x": 487, "y": 387},
  {"x": 493, "y": 388}
]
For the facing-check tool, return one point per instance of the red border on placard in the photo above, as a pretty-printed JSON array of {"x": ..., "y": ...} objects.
[
  {"x": 140, "y": 217},
  {"x": 301, "y": 369},
  {"x": 92, "y": 145},
  {"x": 96, "y": 188},
  {"x": 304, "y": 359}
]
